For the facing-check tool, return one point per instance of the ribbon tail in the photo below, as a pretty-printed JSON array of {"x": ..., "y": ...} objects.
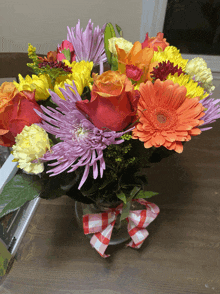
[
  {"x": 138, "y": 220},
  {"x": 137, "y": 235},
  {"x": 100, "y": 240}
]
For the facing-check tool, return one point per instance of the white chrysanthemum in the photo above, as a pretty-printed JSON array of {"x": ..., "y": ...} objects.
[
  {"x": 31, "y": 144},
  {"x": 122, "y": 44},
  {"x": 197, "y": 69}
]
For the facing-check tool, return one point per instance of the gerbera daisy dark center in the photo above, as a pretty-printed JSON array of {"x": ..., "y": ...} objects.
[{"x": 161, "y": 118}]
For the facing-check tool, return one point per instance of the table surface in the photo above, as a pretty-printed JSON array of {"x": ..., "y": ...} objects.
[{"x": 180, "y": 255}]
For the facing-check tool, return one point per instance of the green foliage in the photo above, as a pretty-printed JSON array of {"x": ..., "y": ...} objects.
[
  {"x": 108, "y": 34},
  {"x": 5, "y": 256},
  {"x": 52, "y": 186},
  {"x": 122, "y": 197},
  {"x": 52, "y": 72},
  {"x": 86, "y": 93},
  {"x": 125, "y": 211},
  {"x": 114, "y": 62},
  {"x": 20, "y": 189},
  {"x": 117, "y": 156},
  {"x": 136, "y": 193},
  {"x": 145, "y": 194},
  {"x": 119, "y": 30},
  {"x": 126, "y": 137}
]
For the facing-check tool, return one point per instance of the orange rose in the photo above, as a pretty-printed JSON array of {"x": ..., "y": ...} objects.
[
  {"x": 113, "y": 102},
  {"x": 110, "y": 83},
  {"x": 7, "y": 92},
  {"x": 155, "y": 42},
  {"x": 138, "y": 57}
]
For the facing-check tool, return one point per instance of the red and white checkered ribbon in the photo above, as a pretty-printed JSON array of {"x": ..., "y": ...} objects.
[{"x": 101, "y": 224}]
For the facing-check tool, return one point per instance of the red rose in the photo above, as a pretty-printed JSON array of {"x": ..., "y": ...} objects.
[
  {"x": 113, "y": 102},
  {"x": 16, "y": 115},
  {"x": 133, "y": 72},
  {"x": 155, "y": 42}
]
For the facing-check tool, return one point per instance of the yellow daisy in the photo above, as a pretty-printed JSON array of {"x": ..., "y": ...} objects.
[
  {"x": 81, "y": 75},
  {"x": 172, "y": 54},
  {"x": 39, "y": 83},
  {"x": 193, "y": 89}
]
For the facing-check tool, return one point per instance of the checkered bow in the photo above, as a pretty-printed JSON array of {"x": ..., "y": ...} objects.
[{"x": 101, "y": 224}]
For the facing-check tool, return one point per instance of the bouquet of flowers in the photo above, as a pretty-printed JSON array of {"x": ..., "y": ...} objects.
[{"x": 97, "y": 110}]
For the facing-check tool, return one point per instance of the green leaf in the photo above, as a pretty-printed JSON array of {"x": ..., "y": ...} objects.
[
  {"x": 119, "y": 30},
  {"x": 5, "y": 256},
  {"x": 134, "y": 192},
  {"x": 18, "y": 191},
  {"x": 114, "y": 63},
  {"x": 122, "y": 197},
  {"x": 125, "y": 210},
  {"x": 67, "y": 54},
  {"x": 145, "y": 194},
  {"x": 105, "y": 183},
  {"x": 108, "y": 34}
]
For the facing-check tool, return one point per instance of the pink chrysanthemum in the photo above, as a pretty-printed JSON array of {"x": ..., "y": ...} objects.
[
  {"x": 88, "y": 46},
  {"x": 212, "y": 113},
  {"x": 82, "y": 143}
]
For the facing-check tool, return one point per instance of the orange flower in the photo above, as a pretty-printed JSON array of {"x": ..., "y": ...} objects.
[
  {"x": 16, "y": 114},
  {"x": 155, "y": 42},
  {"x": 7, "y": 92},
  {"x": 167, "y": 116},
  {"x": 51, "y": 57},
  {"x": 110, "y": 83},
  {"x": 137, "y": 56}
]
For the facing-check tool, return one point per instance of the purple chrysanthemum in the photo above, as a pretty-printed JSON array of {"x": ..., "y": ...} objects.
[
  {"x": 88, "y": 46},
  {"x": 212, "y": 113},
  {"x": 82, "y": 143}
]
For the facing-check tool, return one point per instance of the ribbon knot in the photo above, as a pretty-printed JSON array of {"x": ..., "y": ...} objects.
[{"x": 101, "y": 225}]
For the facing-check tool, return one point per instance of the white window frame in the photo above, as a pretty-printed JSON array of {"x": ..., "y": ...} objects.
[{"x": 152, "y": 21}]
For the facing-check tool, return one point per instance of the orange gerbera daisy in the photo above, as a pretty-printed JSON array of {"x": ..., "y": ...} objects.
[
  {"x": 138, "y": 57},
  {"x": 166, "y": 115}
]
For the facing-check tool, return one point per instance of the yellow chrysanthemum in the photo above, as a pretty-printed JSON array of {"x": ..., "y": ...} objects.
[
  {"x": 39, "y": 83},
  {"x": 81, "y": 75},
  {"x": 172, "y": 54},
  {"x": 198, "y": 67},
  {"x": 193, "y": 89},
  {"x": 31, "y": 144},
  {"x": 122, "y": 44}
]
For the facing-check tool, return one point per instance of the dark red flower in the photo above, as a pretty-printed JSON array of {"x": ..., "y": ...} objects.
[
  {"x": 164, "y": 69},
  {"x": 133, "y": 72}
]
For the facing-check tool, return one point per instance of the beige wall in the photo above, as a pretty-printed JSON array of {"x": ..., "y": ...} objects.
[{"x": 43, "y": 22}]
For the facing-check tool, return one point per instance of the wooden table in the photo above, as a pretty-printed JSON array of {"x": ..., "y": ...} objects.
[{"x": 181, "y": 254}]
